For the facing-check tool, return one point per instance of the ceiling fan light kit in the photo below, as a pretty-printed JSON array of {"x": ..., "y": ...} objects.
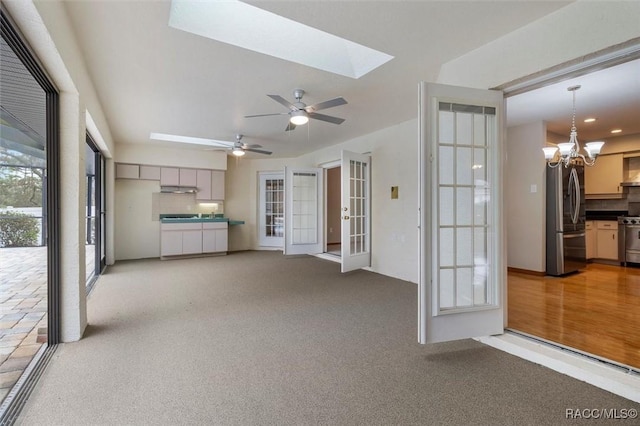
[
  {"x": 300, "y": 113},
  {"x": 299, "y": 117},
  {"x": 570, "y": 151}
]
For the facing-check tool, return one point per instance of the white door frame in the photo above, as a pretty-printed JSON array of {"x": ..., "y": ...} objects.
[{"x": 325, "y": 168}]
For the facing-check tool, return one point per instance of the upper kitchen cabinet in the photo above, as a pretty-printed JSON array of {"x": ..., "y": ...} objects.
[
  {"x": 210, "y": 185},
  {"x": 203, "y": 182},
  {"x": 217, "y": 185},
  {"x": 127, "y": 171},
  {"x": 170, "y": 176},
  {"x": 188, "y": 177},
  {"x": 149, "y": 172},
  {"x": 603, "y": 180}
]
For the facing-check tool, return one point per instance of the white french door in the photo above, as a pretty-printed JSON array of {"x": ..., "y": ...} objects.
[
  {"x": 355, "y": 211},
  {"x": 303, "y": 211},
  {"x": 271, "y": 205},
  {"x": 462, "y": 274}
]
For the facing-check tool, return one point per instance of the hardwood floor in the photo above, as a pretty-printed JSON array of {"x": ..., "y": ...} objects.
[{"x": 596, "y": 310}]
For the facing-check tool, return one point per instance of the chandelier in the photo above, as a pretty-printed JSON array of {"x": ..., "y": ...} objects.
[{"x": 570, "y": 151}]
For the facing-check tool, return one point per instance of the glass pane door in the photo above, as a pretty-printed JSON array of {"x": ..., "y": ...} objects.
[{"x": 271, "y": 226}]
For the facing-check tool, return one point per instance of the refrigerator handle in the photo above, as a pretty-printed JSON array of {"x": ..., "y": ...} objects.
[{"x": 574, "y": 185}]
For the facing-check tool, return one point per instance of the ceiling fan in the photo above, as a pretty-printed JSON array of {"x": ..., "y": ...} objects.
[
  {"x": 237, "y": 148},
  {"x": 300, "y": 113}
]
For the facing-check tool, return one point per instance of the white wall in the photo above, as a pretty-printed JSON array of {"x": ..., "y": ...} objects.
[
  {"x": 46, "y": 29},
  {"x": 580, "y": 28},
  {"x": 395, "y": 238},
  {"x": 525, "y": 215},
  {"x": 175, "y": 157}
]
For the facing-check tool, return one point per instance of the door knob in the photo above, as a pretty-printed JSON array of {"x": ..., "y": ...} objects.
[{"x": 346, "y": 217}]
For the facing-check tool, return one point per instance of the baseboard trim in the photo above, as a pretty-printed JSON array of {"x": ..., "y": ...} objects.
[{"x": 526, "y": 271}]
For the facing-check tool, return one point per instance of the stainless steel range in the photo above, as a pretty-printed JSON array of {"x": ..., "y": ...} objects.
[{"x": 629, "y": 239}]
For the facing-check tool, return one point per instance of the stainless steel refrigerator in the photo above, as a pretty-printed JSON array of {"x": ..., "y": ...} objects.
[{"x": 566, "y": 246}]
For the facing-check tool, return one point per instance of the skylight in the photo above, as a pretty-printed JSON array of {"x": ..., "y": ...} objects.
[{"x": 246, "y": 26}]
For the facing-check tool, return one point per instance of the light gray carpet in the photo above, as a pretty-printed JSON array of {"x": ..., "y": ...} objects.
[{"x": 256, "y": 339}]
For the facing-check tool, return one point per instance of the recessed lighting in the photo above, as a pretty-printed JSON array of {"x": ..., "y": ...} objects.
[
  {"x": 616, "y": 131},
  {"x": 589, "y": 120}
]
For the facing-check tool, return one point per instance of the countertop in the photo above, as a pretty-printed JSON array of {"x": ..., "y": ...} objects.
[
  {"x": 194, "y": 219},
  {"x": 604, "y": 214}
]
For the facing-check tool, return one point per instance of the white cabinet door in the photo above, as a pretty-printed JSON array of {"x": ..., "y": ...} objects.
[
  {"x": 171, "y": 243},
  {"x": 192, "y": 242},
  {"x": 169, "y": 176},
  {"x": 203, "y": 182},
  {"x": 607, "y": 237},
  {"x": 150, "y": 172},
  {"x": 217, "y": 185},
  {"x": 605, "y": 177},
  {"x": 222, "y": 239},
  {"x": 188, "y": 177},
  {"x": 214, "y": 237},
  {"x": 127, "y": 171}
]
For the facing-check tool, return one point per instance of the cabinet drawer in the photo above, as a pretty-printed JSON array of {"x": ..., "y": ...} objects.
[
  {"x": 197, "y": 226},
  {"x": 215, "y": 225},
  {"x": 607, "y": 224}
]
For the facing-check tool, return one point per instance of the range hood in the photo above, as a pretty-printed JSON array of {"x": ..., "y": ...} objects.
[
  {"x": 631, "y": 183},
  {"x": 178, "y": 189}
]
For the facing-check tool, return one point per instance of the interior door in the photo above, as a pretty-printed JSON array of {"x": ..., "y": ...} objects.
[
  {"x": 303, "y": 211},
  {"x": 355, "y": 212},
  {"x": 462, "y": 274}
]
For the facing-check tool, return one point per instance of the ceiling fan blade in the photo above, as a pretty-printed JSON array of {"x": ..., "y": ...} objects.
[
  {"x": 290, "y": 126},
  {"x": 250, "y": 146},
  {"x": 259, "y": 151},
  {"x": 266, "y": 115},
  {"x": 279, "y": 99},
  {"x": 326, "y": 104},
  {"x": 327, "y": 118}
]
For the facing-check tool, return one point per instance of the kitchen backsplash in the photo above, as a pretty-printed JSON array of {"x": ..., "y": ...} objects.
[
  {"x": 628, "y": 203},
  {"x": 181, "y": 204}
]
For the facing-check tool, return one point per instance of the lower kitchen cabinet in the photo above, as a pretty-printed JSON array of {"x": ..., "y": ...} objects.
[
  {"x": 215, "y": 237},
  {"x": 591, "y": 239},
  {"x": 193, "y": 238},
  {"x": 607, "y": 236}
]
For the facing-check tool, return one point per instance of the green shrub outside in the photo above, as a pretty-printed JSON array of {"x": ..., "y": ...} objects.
[{"x": 18, "y": 230}]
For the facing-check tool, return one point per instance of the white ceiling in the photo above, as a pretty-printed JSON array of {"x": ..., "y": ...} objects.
[{"x": 154, "y": 78}]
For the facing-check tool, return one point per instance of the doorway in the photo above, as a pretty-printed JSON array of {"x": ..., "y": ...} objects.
[{"x": 333, "y": 236}]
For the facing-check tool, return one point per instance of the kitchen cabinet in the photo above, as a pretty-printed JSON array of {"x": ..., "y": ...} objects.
[
  {"x": 149, "y": 172},
  {"x": 215, "y": 236},
  {"x": 607, "y": 239},
  {"x": 193, "y": 238},
  {"x": 203, "y": 182},
  {"x": 180, "y": 238},
  {"x": 217, "y": 185},
  {"x": 188, "y": 177},
  {"x": 591, "y": 239},
  {"x": 127, "y": 171},
  {"x": 603, "y": 179},
  {"x": 170, "y": 176}
]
